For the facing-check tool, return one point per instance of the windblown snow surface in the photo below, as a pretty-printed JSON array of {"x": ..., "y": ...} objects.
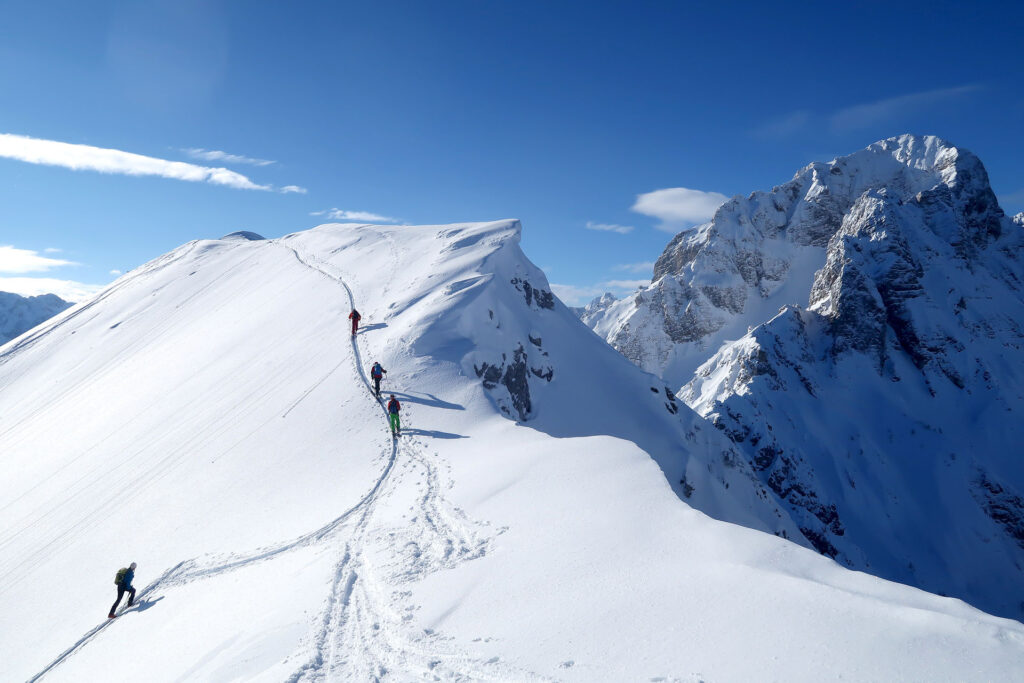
[{"x": 208, "y": 417}]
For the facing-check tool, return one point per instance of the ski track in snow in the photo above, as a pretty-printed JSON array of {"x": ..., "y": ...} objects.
[{"x": 364, "y": 631}]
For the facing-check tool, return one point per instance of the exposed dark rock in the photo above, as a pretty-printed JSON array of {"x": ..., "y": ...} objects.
[
  {"x": 513, "y": 376},
  {"x": 542, "y": 297},
  {"x": 1004, "y": 507}
]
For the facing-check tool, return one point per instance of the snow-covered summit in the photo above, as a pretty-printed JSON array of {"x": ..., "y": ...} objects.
[
  {"x": 760, "y": 252},
  {"x": 243, "y": 235},
  {"x": 208, "y": 416}
]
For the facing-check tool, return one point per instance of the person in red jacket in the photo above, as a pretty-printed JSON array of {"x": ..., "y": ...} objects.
[{"x": 354, "y": 317}]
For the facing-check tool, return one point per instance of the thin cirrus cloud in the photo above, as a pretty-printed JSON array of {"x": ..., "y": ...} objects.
[
  {"x": 69, "y": 290},
  {"x": 292, "y": 189},
  {"x": 677, "y": 207},
  {"x": 19, "y": 262},
  {"x": 864, "y": 115},
  {"x": 783, "y": 126},
  {"x": 344, "y": 215},
  {"x": 104, "y": 160},
  {"x": 14, "y": 260},
  {"x": 642, "y": 267},
  {"x": 609, "y": 227},
  {"x": 860, "y": 116},
  {"x": 224, "y": 157}
]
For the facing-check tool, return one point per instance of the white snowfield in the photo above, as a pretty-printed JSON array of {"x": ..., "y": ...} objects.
[{"x": 208, "y": 417}]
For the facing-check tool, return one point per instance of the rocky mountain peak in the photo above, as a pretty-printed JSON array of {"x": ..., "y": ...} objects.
[
  {"x": 884, "y": 415},
  {"x": 762, "y": 251}
]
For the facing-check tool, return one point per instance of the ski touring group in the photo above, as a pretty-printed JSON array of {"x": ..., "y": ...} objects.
[
  {"x": 377, "y": 373},
  {"x": 124, "y": 577}
]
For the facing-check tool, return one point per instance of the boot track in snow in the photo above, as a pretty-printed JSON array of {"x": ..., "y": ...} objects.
[{"x": 364, "y": 631}]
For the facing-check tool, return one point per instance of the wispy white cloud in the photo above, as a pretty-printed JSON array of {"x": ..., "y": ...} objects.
[
  {"x": 575, "y": 295},
  {"x": 626, "y": 284},
  {"x": 344, "y": 215},
  {"x": 572, "y": 295},
  {"x": 105, "y": 160},
  {"x": 14, "y": 260},
  {"x": 860, "y": 115},
  {"x": 678, "y": 206},
  {"x": 69, "y": 290},
  {"x": 864, "y": 115},
  {"x": 641, "y": 267},
  {"x": 290, "y": 189},
  {"x": 116, "y": 272},
  {"x": 609, "y": 227},
  {"x": 783, "y": 126},
  {"x": 52, "y": 250},
  {"x": 217, "y": 155}
]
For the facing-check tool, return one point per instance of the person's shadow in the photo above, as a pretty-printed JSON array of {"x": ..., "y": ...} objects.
[
  {"x": 370, "y": 328},
  {"x": 145, "y": 603},
  {"x": 433, "y": 433},
  {"x": 428, "y": 400}
]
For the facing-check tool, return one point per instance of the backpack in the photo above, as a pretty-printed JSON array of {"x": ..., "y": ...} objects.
[
  {"x": 376, "y": 371},
  {"x": 393, "y": 407},
  {"x": 120, "y": 575}
]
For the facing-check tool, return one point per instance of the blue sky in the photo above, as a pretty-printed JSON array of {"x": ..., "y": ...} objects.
[{"x": 604, "y": 127}]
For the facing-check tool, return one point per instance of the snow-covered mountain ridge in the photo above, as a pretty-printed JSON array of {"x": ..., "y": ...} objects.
[
  {"x": 208, "y": 416},
  {"x": 885, "y": 411},
  {"x": 18, "y": 314}
]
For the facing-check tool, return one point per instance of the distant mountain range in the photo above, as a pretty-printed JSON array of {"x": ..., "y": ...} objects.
[{"x": 19, "y": 314}]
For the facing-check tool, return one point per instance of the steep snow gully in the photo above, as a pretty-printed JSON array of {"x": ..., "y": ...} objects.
[{"x": 362, "y": 633}]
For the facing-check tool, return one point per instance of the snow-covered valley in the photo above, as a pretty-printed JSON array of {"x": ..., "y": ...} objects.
[{"x": 551, "y": 511}]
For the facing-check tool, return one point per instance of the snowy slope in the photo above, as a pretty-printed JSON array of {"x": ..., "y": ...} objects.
[
  {"x": 208, "y": 417},
  {"x": 18, "y": 314}
]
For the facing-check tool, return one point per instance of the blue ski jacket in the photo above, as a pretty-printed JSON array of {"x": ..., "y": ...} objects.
[{"x": 126, "y": 582}]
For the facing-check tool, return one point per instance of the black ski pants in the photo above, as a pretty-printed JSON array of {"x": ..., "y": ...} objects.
[
  {"x": 120, "y": 594},
  {"x": 376, "y": 385}
]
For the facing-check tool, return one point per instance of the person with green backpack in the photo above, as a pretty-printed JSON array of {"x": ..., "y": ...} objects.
[{"x": 123, "y": 580}]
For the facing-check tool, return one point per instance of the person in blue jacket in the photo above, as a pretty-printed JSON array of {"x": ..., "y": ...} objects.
[
  {"x": 124, "y": 585},
  {"x": 377, "y": 373}
]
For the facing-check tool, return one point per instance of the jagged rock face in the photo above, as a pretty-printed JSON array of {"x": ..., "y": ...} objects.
[
  {"x": 19, "y": 314},
  {"x": 886, "y": 416},
  {"x": 761, "y": 252},
  {"x": 596, "y": 308}
]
